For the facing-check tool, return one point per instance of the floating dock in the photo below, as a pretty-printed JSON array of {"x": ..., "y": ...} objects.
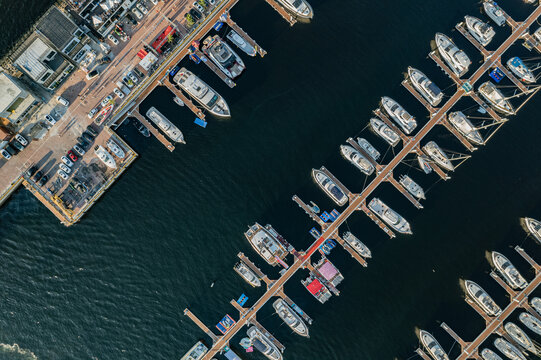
[
  {"x": 369, "y": 158},
  {"x": 391, "y": 124},
  {"x": 233, "y": 25},
  {"x": 406, "y": 83},
  {"x": 285, "y": 14},
  {"x": 254, "y": 268},
  {"x": 197, "y": 111},
  {"x": 215, "y": 69},
  {"x": 445, "y": 68},
  {"x": 445, "y": 122},
  {"x": 403, "y": 191},
  {"x": 377, "y": 220},
  {"x": 354, "y": 254}
]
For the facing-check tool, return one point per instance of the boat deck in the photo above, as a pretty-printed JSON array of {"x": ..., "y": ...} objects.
[
  {"x": 389, "y": 123},
  {"x": 186, "y": 100},
  {"x": 161, "y": 138},
  {"x": 215, "y": 69},
  {"x": 367, "y": 156},
  {"x": 354, "y": 254},
  {"x": 435, "y": 167},
  {"x": 377, "y": 220},
  {"x": 295, "y": 307},
  {"x": 254, "y": 268},
  {"x": 487, "y": 107},
  {"x": 419, "y": 97},
  {"x": 512, "y": 77},
  {"x": 461, "y": 27},
  {"x": 442, "y": 65},
  {"x": 403, "y": 191},
  {"x": 445, "y": 122},
  {"x": 233, "y": 25}
]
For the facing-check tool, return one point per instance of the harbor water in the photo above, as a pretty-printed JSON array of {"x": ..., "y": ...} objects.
[{"x": 115, "y": 285}]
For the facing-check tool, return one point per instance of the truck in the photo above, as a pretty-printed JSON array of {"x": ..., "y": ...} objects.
[{"x": 123, "y": 87}]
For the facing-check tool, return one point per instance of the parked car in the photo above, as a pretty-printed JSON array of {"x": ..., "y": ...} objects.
[
  {"x": 83, "y": 143},
  {"x": 5, "y": 154},
  {"x": 118, "y": 93},
  {"x": 66, "y": 161},
  {"x": 17, "y": 145},
  {"x": 88, "y": 136},
  {"x": 72, "y": 156},
  {"x": 113, "y": 39},
  {"x": 62, "y": 174},
  {"x": 21, "y": 139},
  {"x": 51, "y": 120},
  {"x": 31, "y": 171},
  {"x": 78, "y": 150},
  {"x": 62, "y": 101},
  {"x": 65, "y": 168},
  {"x": 137, "y": 13},
  {"x": 91, "y": 130},
  {"x": 38, "y": 176},
  {"x": 131, "y": 19},
  {"x": 142, "y": 7},
  {"x": 43, "y": 180},
  {"x": 10, "y": 150},
  {"x": 198, "y": 6},
  {"x": 195, "y": 14},
  {"x": 154, "y": 2},
  {"x": 106, "y": 100},
  {"x": 128, "y": 83},
  {"x": 91, "y": 75},
  {"x": 138, "y": 73},
  {"x": 133, "y": 77},
  {"x": 92, "y": 113}
]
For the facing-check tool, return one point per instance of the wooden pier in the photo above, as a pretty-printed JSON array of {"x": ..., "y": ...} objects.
[
  {"x": 454, "y": 335},
  {"x": 202, "y": 326},
  {"x": 525, "y": 256},
  {"x": 285, "y": 14},
  {"x": 246, "y": 37},
  {"x": 152, "y": 129},
  {"x": 354, "y": 254},
  {"x": 337, "y": 182},
  {"x": 512, "y": 293},
  {"x": 295, "y": 307},
  {"x": 237, "y": 306},
  {"x": 512, "y": 77},
  {"x": 480, "y": 311},
  {"x": 390, "y": 178},
  {"x": 445, "y": 68},
  {"x": 419, "y": 97},
  {"x": 435, "y": 167},
  {"x": 376, "y": 219},
  {"x": 367, "y": 156},
  {"x": 255, "y": 269},
  {"x": 445, "y": 122},
  {"x": 485, "y": 106},
  {"x": 197, "y": 111},
  {"x": 389, "y": 123},
  {"x": 461, "y": 28},
  {"x": 215, "y": 69},
  {"x": 307, "y": 209},
  {"x": 422, "y": 354}
]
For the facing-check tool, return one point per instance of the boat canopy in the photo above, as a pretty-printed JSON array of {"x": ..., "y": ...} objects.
[
  {"x": 328, "y": 270},
  {"x": 314, "y": 287}
]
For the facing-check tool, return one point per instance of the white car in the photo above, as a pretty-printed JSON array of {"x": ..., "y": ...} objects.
[
  {"x": 5, "y": 154},
  {"x": 211, "y": 2},
  {"x": 51, "y": 120},
  {"x": 65, "y": 168},
  {"x": 62, "y": 101},
  {"x": 199, "y": 7},
  {"x": 106, "y": 100},
  {"x": 78, "y": 150},
  {"x": 137, "y": 13},
  {"x": 142, "y": 7},
  {"x": 92, "y": 113},
  {"x": 154, "y": 2},
  {"x": 133, "y": 77},
  {"x": 118, "y": 93},
  {"x": 62, "y": 174},
  {"x": 21, "y": 139},
  {"x": 66, "y": 161},
  {"x": 113, "y": 39}
]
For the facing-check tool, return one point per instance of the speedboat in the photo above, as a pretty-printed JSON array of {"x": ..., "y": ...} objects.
[
  {"x": 357, "y": 245},
  {"x": 412, "y": 187},
  {"x": 355, "y": 157},
  {"x": 300, "y": 8},
  {"x": 508, "y": 271},
  {"x": 536, "y": 304},
  {"x": 508, "y": 349},
  {"x": 520, "y": 337},
  {"x": 384, "y": 131},
  {"x": 465, "y": 127},
  {"x": 165, "y": 125},
  {"x": 141, "y": 128},
  {"x": 242, "y": 44},
  {"x": 425, "y": 87},
  {"x": 202, "y": 93},
  {"x": 436, "y": 153},
  {"x": 196, "y": 352},
  {"x": 105, "y": 157},
  {"x": 531, "y": 322},
  {"x": 290, "y": 317},
  {"x": 115, "y": 149},
  {"x": 424, "y": 164},
  {"x": 334, "y": 191},
  {"x": 178, "y": 101},
  {"x": 494, "y": 12},
  {"x": 481, "y": 298},
  {"x": 399, "y": 115},
  {"x": 389, "y": 216},
  {"x": 247, "y": 274},
  {"x": 223, "y": 56},
  {"x": 432, "y": 346},
  {"x": 263, "y": 344},
  {"x": 370, "y": 150},
  {"x": 266, "y": 243},
  {"x": 494, "y": 96},
  {"x": 457, "y": 59},
  {"x": 480, "y": 30},
  {"x": 534, "y": 227},
  {"x": 488, "y": 354},
  {"x": 521, "y": 70}
]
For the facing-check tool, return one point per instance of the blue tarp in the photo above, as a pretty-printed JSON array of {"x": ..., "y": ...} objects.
[
  {"x": 242, "y": 300},
  {"x": 174, "y": 71},
  {"x": 195, "y": 58},
  {"x": 224, "y": 324},
  {"x": 497, "y": 75},
  {"x": 218, "y": 25},
  {"x": 200, "y": 122}
]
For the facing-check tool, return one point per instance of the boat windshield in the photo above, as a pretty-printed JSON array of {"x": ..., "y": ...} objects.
[{"x": 213, "y": 101}]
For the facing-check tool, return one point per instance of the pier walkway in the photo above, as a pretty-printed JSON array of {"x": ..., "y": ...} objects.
[
  {"x": 197, "y": 111},
  {"x": 233, "y": 25},
  {"x": 285, "y": 14}
]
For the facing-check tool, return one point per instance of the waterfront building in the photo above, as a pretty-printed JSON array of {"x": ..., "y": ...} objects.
[{"x": 17, "y": 102}]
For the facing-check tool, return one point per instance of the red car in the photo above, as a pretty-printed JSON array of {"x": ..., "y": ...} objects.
[{"x": 72, "y": 156}]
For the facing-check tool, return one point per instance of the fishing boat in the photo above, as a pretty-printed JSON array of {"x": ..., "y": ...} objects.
[
  {"x": 196, "y": 352},
  {"x": 520, "y": 337},
  {"x": 335, "y": 192},
  {"x": 115, "y": 149},
  {"x": 412, "y": 187},
  {"x": 105, "y": 156},
  {"x": 481, "y": 298},
  {"x": 300, "y": 8},
  {"x": 223, "y": 56},
  {"x": 480, "y": 30},
  {"x": 488, "y": 354},
  {"x": 436, "y": 153},
  {"x": 508, "y": 349},
  {"x": 531, "y": 322},
  {"x": 241, "y": 43},
  {"x": 495, "y": 97},
  {"x": 262, "y": 343},
  {"x": 384, "y": 131},
  {"x": 389, "y": 216},
  {"x": 355, "y": 157},
  {"x": 357, "y": 245},
  {"x": 266, "y": 243},
  {"x": 432, "y": 346},
  {"x": 425, "y": 86},
  {"x": 399, "y": 114},
  {"x": 508, "y": 271},
  {"x": 494, "y": 12},
  {"x": 316, "y": 288},
  {"x": 370, "y": 150},
  {"x": 290, "y": 317},
  {"x": 424, "y": 164},
  {"x": 247, "y": 274},
  {"x": 465, "y": 127},
  {"x": 165, "y": 125},
  {"x": 457, "y": 59},
  {"x": 517, "y": 66},
  {"x": 536, "y": 304},
  {"x": 103, "y": 114},
  {"x": 534, "y": 227}
]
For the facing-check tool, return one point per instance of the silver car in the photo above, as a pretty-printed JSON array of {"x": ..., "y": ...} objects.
[
  {"x": 78, "y": 150},
  {"x": 66, "y": 161},
  {"x": 62, "y": 174},
  {"x": 65, "y": 168},
  {"x": 21, "y": 139}
]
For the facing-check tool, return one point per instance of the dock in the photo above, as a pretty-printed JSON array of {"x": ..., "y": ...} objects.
[
  {"x": 215, "y": 69},
  {"x": 433, "y": 165},
  {"x": 389, "y": 123},
  {"x": 285, "y": 14},
  {"x": 369, "y": 158},
  {"x": 307, "y": 209},
  {"x": 422, "y": 354},
  {"x": 512, "y": 293},
  {"x": 462, "y": 29},
  {"x": 377, "y": 220},
  {"x": 197, "y": 111},
  {"x": 454, "y": 335},
  {"x": 403, "y": 191},
  {"x": 512, "y": 77},
  {"x": 525, "y": 256},
  {"x": 157, "y": 134},
  {"x": 202, "y": 326},
  {"x": 485, "y": 106},
  {"x": 254, "y": 268},
  {"x": 321, "y": 278},
  {"x": 337, "y": 182},
  {"x": 419, "y": 97},
  {"x": 233, "y": 25},
  {"x": 354, "y": 254},
  {"x": 445, "y": 68},
  {"x": 445, "y": 122}
]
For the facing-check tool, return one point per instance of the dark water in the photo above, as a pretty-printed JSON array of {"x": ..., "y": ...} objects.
[{"x": 115, "y": 285}]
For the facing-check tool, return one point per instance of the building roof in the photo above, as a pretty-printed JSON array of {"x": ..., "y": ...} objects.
[
  {"x": 57, "y": 27},
  {"x": 314, "y": 287},
  {"x": 9, "y": 90},
  {"x": 30, "y": 59},
  {"x": 328, "y": 270}
]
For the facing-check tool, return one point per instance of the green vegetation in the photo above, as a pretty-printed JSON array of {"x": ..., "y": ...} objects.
[
  {"x": 190, "y": 19},
  {"x": 203, "y": 3}
]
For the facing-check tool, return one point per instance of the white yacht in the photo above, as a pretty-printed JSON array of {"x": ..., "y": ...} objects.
[
  {"x": 536, "y": 304},
  {"x": 531, "y": 322},
  {"x": 480, "y": 30},
  {"x": 247, "y": 274},
  {"x": 290, "y": 317},
  {"x": 488, "y": 354},
  {"x": 300, "y": 8},
  {"x": 357, "y": 245},
  {"x": 115, "y": 149},
  {"x": 517, "y": 66},
  {"x": 534, "y": 227},
  {"x": 481, "y": 298},
  {"x": 520, "y": 337},
  {"x": 223, "y": 56},
  {"x": 331, "y": 189},
  {"x": 196, "y": 352},
  {"x": 508, "y": 271},
  {"x": 424, "y": 164},
  {"x": 494, "y": 96},
  {"x": 508, "y": 349},
  {"x": 265, "y": 243},
  {"x": 202, "y": 93},
  {"x": 165, "y": 125},
  {"x": 241, "y": 43},
  {"x": 537, "y": 34},
  {"x": 389, "y": 216},
  {"x": 494, "y": 12},
  {"x": 465, "y": 127},
  {"x": 438, "y": 155},
  {"x": 263, "y": 344},
  {"x": 412, "y": 187},
  {"x": 384, "y": 131},
  {"x": 432, "y": 346},
  {"x": 105, "y": 156},
  {"x": 457, "y": 59},
  {"x": 399, "y": 115},
  {"x": 426, "y": 88},
  {"x": 370, "y": 150},
  {"x": 355, "y": 157}
]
